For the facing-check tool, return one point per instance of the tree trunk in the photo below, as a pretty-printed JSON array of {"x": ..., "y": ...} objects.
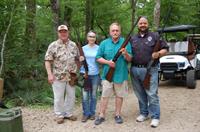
[
  {"x": 157, "y": 14},
  {"x": 67, "y": 15},
  {"x": 55, "y": 7},
  {"x": 133, "y": 6},
  {"x": 1, "y": 88},
  {"x": 30, "y": 32},
  {"x": 88, "y": 17},
  {"x": 4, "y": 41}
]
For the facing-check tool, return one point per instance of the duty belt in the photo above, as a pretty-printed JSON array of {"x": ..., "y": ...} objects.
[{"x": 139, "y": 65}]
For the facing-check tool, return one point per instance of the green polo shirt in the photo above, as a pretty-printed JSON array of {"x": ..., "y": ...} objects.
[{"x": 107, "y": 50}]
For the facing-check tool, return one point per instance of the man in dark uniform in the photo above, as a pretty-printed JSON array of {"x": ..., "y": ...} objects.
[{"x": 142, "y": 47}]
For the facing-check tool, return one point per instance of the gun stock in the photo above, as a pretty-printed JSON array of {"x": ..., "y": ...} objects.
[
  {"x": 110, "y": 73},
  {"x": 146, "y": 81}
]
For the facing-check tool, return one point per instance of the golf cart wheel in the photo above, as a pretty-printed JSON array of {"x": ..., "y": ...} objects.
[{"x": 191, "y": 79}]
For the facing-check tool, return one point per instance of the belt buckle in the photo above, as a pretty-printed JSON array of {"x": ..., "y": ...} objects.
[{"x": 141, "y": 66}]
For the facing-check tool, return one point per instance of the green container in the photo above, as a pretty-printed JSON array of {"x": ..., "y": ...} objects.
[{"x": 11, "y": 120}]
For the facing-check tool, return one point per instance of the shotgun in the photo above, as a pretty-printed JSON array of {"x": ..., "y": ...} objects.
[
  {"x": 84, "y": 62},
  {"x": 147, "y": 78},
  {"x": 146, "y": 82},
  {"x": 111, "y": 70}
]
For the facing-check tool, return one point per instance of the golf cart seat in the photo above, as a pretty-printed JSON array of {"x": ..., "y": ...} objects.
[
  {"x": 185, "y": 48},
  {"x": 191, "y": 49}
]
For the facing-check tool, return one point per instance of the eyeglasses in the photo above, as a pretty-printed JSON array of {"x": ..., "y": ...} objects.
[{"x": 92, "y": 36}]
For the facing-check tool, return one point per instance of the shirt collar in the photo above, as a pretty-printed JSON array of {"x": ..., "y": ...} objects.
[
  {"x": 116, "y": 42},
  {"x": 61, "y": 42},
  {"x": 142, "y": 35}
]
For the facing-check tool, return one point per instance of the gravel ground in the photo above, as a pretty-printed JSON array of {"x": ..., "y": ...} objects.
[{"x": 180, "y": 112}]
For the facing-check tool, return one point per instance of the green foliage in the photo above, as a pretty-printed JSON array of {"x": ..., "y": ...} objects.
[
  {"x": 146, "y": 8},
  {"x": 29, "y": 91},
  {"x": 24, "y": 72}
]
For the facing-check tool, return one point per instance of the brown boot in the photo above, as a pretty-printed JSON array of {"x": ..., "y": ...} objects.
[
  {"x": 84, "y": 118},
  {"x": 72, "y": 118},
  {"x": 92, "y": 117},
  {"x": 59, "y": 120}
]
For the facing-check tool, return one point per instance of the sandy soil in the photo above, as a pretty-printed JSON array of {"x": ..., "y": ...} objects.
[{"x": 180, "y": 112}]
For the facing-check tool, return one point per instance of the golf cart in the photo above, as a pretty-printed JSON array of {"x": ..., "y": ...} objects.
[{"x": 182, "y": 61}]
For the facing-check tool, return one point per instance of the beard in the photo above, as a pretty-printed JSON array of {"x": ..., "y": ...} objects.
[{"x": 143, "y": 31}]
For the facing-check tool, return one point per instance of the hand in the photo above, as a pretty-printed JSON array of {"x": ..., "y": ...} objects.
[
  {"x": 81, "y": 58},
  {"x": 85, "y": 75},
  {"x": 51, "y": 78},
  {"x": 124, "y": 52},
  {"x": 111, "y": 63},
  {"x": 155, "y": 55}
]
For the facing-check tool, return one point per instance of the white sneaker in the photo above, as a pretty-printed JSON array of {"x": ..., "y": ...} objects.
[
  {"x": 141, "y": 118},
  {"x": 154, "y": 122}
]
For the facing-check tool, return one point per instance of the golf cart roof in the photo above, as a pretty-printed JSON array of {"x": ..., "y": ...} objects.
[{"x": 178, "y": 28}]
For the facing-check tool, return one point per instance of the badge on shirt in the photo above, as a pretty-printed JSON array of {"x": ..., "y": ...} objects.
[{"x": 149, "y": 38}]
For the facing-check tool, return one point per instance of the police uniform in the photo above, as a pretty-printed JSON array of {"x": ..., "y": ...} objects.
[{"x": 142, "y": 48}]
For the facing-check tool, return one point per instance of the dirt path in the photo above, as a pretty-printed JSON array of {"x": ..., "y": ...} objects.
[{"x": 180, "y": 112}]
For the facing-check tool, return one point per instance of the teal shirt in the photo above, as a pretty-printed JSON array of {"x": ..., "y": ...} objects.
[{"x": 107, "y": 50}]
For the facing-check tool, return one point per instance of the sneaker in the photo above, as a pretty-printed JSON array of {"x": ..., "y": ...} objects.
[
  {"x": 92, "y": 117},
  {"x": 154, "y": 123},
  {"x": 99, "y": 120},
  {"x": 72, "y": 118},
  {"x": 59, "y": 120},
  {"x": 118, "y": 119},
  {"x": 141, "y": 118},
  {"x": 84, "y": 118}
]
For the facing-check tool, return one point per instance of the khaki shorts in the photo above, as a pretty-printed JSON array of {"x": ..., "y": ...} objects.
[{"x": 118, "y": 89}]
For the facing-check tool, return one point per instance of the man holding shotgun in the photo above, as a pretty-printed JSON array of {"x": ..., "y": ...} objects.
[
  {"x": 143, "y": 44},
  {"x": 118, "y": 83}
]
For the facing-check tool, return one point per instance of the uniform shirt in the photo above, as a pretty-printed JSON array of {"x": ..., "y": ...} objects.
[
  {"x": 143, "y": 47},
  {"x": 90, "y": 55},
  {"x": 63, "y": 58},
  {"x": 107, "y": 50}
]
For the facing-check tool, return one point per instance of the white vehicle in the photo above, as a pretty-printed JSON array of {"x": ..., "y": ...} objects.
[
  {"x": 182, "y": 61},
  {"x": 196, "y": 39}
]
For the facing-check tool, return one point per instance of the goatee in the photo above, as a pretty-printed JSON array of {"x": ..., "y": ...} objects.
[{"x": 143, "y": 31}]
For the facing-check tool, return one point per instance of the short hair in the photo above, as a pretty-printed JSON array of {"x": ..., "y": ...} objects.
[
  {"x": 144, "y": 17},
  {"x": 91, "y": 32},
  {"x": 115, "y": 23}
]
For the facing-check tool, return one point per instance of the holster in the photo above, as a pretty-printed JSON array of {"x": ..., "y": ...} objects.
[{"x": 73, "y": 79}]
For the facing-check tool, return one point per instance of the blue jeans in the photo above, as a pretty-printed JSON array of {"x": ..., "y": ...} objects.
[
  {"x": 148, "y": 99},
  {"x": 89, "y": 97}
]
